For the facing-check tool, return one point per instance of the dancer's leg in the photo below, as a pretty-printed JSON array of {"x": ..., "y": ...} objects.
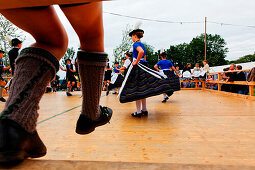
[
  {"x": 35, "y": 67},
  {"x": 44, "y": 25},
  {"x": 144, "y": 106},
  {"x": 138, "y": 106},
  {"x": 87, "y": 21}
]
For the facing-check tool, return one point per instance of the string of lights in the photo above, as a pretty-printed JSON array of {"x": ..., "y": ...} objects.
[
  {"x": 154, "y": 20},
  {"x": 178, "y": 22}
]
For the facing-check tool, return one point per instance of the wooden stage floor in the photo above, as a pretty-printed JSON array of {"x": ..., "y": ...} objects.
[{"x": 192, "y": 128}]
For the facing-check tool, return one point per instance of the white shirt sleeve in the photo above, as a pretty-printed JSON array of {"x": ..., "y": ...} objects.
[
  {"x": 73, "y": 61},
  {"x": 127, "y": 63}
]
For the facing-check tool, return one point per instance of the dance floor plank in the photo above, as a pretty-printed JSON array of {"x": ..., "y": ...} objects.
[{"x": 193, "y": 128}]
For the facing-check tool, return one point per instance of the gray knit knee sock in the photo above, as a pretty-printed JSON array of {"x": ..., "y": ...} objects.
[
  {"x": 91, "y": 70},
  {"x": 35, "y": 67}
]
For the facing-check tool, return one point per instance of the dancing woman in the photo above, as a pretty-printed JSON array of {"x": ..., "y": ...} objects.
[
  {"x": 141, "y": 82},
  {"x": 116, "y": 80},
  {"x": 165, "y": 66}
]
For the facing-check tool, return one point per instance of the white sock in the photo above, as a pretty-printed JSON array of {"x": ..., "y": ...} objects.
[
  {"x": 144, "y": 108},
  {"x": 138, "y": 106},
  {"x": 165, "y": 96}
]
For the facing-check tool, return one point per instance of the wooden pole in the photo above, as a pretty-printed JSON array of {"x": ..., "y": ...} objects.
[{"x": 205, "y": 38}]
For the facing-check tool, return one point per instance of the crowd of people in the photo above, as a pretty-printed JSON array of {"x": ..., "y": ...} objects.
[{"x": 231, "y": 73}]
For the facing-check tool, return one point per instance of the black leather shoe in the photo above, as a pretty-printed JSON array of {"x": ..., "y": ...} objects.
[
  {"x": 16, "y": 144},
  {"x": 145, "y": 113},
  {"x": 2, "y": 99},
  {"x": 170, "y": 93},
  {"x": 165, "y": 100},
  {"x": 68, "y": 94},
  {"x": 85, "y": 125},
  {"x": 137, "y": 114}
]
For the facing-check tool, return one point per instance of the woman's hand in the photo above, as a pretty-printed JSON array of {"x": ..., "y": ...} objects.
[{"x": 134, "y": 63}]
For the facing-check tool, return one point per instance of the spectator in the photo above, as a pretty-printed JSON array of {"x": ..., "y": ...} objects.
[
  {"x": 240, "y": 76},
  {"x": 2, "y": 82},
  {"x": 178, "y": 70},
  {"x": 186, "y": 74},
  {"x": 230, "y": 76},
  {"x": 196, "y": 71},
  {"x": 251, "y": 75},
  {"x": 205, "y": 70}
]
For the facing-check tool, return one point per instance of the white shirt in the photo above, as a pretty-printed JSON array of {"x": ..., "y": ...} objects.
[{"x": 127, "y": 63}]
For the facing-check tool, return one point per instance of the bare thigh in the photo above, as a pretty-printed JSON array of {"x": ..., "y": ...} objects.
[
  {"x": 43, "y": 24},
  {"x": 87, "y": 21}
]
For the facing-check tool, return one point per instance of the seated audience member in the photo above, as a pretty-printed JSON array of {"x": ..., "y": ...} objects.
[
  {"x": 251, "y": 75},
  {"x": 240, "y": 76},
  {"x": 204, "y": 70},
  {"x": 186, "y": 74},
  {"x": 230, "y": 76},
  {"x": 196, "y": 71},
  {"x": 178, "y": 70}
]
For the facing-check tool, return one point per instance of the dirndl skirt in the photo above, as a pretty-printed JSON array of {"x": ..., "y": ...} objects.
[
  {"x": 174, "y": 80},
  {"x": 142, "y": 82},
  {"x": 116, "y": 82}
]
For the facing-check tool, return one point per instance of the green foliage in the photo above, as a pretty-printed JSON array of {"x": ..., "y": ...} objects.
[
  {"x": 126, "y": 44},
  {"x": 151, "y": 57},
  {"x": 181, "y": 54},
  {"x": 244, "y": 59},
  {"x": 194, "y": 52},
  {"x": 11, "y": 31},
  {"x": 70, "y": 54}
]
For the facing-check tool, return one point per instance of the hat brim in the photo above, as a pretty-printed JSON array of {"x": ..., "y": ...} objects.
[{"x": 135, "y": 31}]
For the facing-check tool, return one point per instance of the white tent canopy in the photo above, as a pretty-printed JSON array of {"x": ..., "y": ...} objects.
[{"x": 244, "y": 65}]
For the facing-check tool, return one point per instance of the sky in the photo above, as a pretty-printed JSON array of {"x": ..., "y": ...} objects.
[{"x": 240, "y": 39}]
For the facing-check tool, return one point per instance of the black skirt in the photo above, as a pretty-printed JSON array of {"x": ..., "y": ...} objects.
[
  {"x": 142, "y": 82},
  {"x": 118, "y": 82},
  {"x": 71, "y": 78},
  {"x": 107, "y": 75}
]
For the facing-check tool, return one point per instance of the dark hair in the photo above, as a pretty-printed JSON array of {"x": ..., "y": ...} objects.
[
  {"x": 226, "y": 69},
  {"x": 164, "y": 54},
  {"x": 129, "y": 54},
  {"x": 139, "y": 34},
  {"x": 68, "y": 60},
  {"x": 116, "y": 62},
  {"x": 239, "y": 67},
  {"x": 123, "y": 58},
  {"x": 15, "y": 42}
]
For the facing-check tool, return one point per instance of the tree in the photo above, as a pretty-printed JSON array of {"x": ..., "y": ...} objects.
[
  {"x": 70, "y": 54},
  {"x": 151, "y": 57},
  {"x": 7, "y": 29},
  {"x": 194, "y": 51},
  {"x": 126, "y": 44},
  {"x": 216, "y": 49},
  {"x": 245, "y": 59}
]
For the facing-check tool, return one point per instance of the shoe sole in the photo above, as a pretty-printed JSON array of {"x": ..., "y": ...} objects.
[
  {"x": 17, "y": 156},
  {"x": 87, "y": 131}
]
